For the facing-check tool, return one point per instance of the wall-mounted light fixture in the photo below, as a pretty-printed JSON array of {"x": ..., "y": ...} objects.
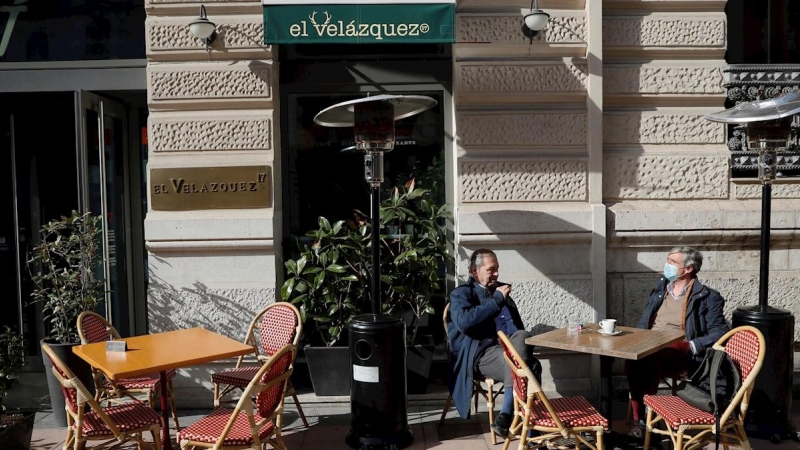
[
  {"x": 204, "y": 29},
  {"x": 534, "y": 21}
]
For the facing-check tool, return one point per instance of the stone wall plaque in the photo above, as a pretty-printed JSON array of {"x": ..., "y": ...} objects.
[{"x": 195, "y": 188}]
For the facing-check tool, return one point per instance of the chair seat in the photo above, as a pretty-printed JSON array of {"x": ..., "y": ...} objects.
[
  {"x": 209, "y": 428},
  {"x": 147, "y": 381},
  {"x": 572, "y": 411},
  {"x": 677, "y": 412},
  {"x": 239, "y": 377},
  {"x": 127, "y": 417}
]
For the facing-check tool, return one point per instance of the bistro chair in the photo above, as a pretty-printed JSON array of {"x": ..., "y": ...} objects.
[
  {"x": 667, "y": 382},
  {"x": 87, "y": 420},
  {"x": 275, "y": 326},
  {"x": 488, "y": 394},
  {"x": 93, "y": 328},
  {"x": 257, "y": 418},
  {"x": 556, "y": 419},
  {"x": 691, "y": 428}
]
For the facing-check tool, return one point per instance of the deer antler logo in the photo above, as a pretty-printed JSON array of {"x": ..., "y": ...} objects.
[{"x": 313, "y": 18}]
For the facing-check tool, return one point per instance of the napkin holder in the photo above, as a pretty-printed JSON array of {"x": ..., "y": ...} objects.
[{"x": 116, "y": 346}]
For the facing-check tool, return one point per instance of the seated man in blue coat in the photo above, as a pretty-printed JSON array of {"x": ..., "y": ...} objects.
[
  {"x": 478, "y": 310},
  {"x": 679, "y": 301}
]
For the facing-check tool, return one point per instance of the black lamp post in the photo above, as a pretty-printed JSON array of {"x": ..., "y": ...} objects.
[
  {"x": 377, "y": 341},
  {"x": 768, "y": 130}
]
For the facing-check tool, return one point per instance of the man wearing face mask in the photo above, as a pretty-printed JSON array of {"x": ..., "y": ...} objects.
[
  {"x": 679, "y": 301},
  {"x": 478, "y": 310}
]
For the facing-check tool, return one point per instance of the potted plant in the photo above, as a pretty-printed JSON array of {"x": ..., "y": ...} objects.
[
  {"x": 328, "y": 284},
  {"x": 16, "y": 426},
  {"x": 329, "y": 280},
  {"x": 63, "y": 269},
  {"x": 412, "y": 271}
]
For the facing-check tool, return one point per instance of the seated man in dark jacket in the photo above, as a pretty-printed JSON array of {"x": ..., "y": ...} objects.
[
  {"x": 478, "y": 310},
  {"x": 679, "y": 301}
]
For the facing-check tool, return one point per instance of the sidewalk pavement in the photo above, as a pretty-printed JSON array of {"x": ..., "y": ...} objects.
[{"x": 329, "y": 421}]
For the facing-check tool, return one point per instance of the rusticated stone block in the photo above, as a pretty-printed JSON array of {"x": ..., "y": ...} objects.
[
  {"x": 173, "y": 34},
  {"x": 224, "y": 311},
  {"x": 512, "y": 181},
  {"x": 662, "y": 80},
  {"x": 565, "y": 299},
  {"x": 738, "y": 291},
  {"x": 658, "y": 128},
  {"x": 562, "y": 77},
  {"x": 665, "y": 177},
  {"x": 198, "y": 134},
  {"x": 664, "y": 31},
  {"x": 521, "y": 129},
  {"x": 752, "y": 191},
  {"x": 506, "y": 29},
  {"x": 209, "y": 81}
]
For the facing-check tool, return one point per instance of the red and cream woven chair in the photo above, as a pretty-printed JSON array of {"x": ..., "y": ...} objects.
[
  {"x": 257, "y": 418},
  {"x": 94, "y": 328},
  {"x": 275, "y": 326},
  {"x": 88, "y": 421},
  {"x": 555, "y": 420},
  {"x": 691, "y": 428},
  {"x": 488, "y": 394}
]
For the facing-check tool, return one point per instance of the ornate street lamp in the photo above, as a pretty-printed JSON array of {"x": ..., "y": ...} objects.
[
  {"x": 377, "y": 342},
  {"x": 768, "y": 125}
]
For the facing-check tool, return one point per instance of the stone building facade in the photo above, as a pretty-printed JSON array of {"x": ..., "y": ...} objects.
[{"x": 581, "y": 157}]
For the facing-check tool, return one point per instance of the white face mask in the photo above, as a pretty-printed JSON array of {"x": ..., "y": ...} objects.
[{"x": 670, "y": 272}]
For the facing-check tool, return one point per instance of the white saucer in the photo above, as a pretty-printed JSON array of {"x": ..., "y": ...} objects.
[{"x": 609, "y": 334}]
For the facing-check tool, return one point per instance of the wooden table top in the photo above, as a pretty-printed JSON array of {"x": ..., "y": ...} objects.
[
  {"x": 631, "y": 343},
  {"x": 161, "y": 351}
]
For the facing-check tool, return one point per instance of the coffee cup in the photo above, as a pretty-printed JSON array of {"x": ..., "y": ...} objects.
[{"x": 608, "y": 325}]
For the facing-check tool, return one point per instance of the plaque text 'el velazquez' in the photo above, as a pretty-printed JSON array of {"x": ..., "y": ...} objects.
[{"x": 197, "y": 188}]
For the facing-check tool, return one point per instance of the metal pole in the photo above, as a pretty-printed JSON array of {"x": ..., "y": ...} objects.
[
  {"x": 375, "y": 213},
  {"x": 766, "y": 204}
]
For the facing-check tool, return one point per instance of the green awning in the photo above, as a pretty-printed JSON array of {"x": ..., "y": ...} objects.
[{"x": 368, "y": 22}]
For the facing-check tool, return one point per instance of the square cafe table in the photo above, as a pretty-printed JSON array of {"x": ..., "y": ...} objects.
[
  {"x": 630, "y": 343},
  {"x": 160, "y": 352}
]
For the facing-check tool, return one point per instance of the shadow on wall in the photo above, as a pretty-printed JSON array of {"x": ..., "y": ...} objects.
[{"x": 227, "y": 311}]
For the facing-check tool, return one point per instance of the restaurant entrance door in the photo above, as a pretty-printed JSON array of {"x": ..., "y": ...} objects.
[
  {"x": 64, "y": 151},
  {"x": 38, "y": 183}
]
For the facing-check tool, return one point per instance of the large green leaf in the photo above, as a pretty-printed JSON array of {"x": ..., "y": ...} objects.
[{"x": 336, "y": 268}]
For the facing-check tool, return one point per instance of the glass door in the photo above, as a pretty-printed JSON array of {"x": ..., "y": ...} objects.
[
  {"x": 103, "y": 172},
  {"x": 37, "y": 184},
  {"x": 11, "y": 232}
]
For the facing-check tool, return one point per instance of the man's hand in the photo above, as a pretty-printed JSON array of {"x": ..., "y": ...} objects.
[
  {"x": 682, "y": 346},
  {"x": 505, "y": 290}
]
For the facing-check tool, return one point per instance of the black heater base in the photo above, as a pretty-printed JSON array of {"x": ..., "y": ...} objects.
[
  {"x": 395, "y": 442},
  {"x": 769, "y": 412}
]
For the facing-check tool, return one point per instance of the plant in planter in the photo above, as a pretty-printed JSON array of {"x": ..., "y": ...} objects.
[
  {"x": 15, "y": 426},
  {"x": 63, "y": 269},
  {"x": 330, "y": 280},
  {"x": 412, "y": 270},
  {"x": 12, "y": 350},
  {"x": 412, "y": 261},
  {"x": 328, "y": 284}
]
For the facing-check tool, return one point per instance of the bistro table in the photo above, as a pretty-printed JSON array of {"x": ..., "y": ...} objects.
[
  {"x": 630, "y": 343},
  {"x": 161, "y": 352}
]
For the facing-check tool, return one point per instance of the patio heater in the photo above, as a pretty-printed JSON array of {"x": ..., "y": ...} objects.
[
  {"x": 769, "y": 124},
  {"x": 378, "y": 396}
]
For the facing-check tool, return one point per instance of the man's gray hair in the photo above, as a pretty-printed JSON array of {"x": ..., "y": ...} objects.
[
  {"x": 691, "y": 257},
  {"x": 476, "y": 260}
]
